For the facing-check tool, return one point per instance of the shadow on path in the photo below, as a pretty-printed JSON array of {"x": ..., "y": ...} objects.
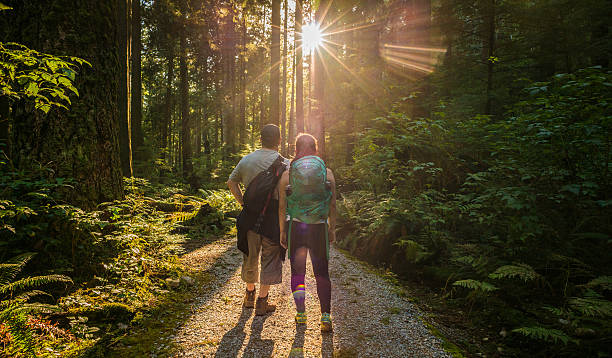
[
  {"x": 297, "y": 348},
  {"x": 173, "y": 311},
  {"x": 327, "y": 344},
  {"x": 257, "y": 347},
  {"x": 232, "y": 340}
]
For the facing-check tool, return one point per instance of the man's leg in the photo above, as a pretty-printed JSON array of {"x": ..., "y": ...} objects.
[
  {"x": 270, "y": 274},
  {"x": 250, "y": 267}
]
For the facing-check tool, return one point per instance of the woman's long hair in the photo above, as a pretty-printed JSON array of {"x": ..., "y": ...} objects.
[{"x": 305, "y": 144}]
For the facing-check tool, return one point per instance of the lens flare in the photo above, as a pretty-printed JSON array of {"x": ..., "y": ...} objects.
[{"x": 312, "y": 37}]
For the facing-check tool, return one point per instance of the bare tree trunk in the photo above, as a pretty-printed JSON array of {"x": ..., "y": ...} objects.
[
  {"x": 275, "y": 64},
  {"x": 284, "y": 85},
  {"x": 123, "y": 103},
  {"x": 167, "y": 120},
  {"x": 291, "y": 130},
  {"x": 136, "y": 95},
  {"x": 490, "y": 22},
  {"x": 299, "y": 68},
  {"x": 317, "y": 116},
  {"x": 242, "y": 78},
  {"x": 184, "y": 91}
]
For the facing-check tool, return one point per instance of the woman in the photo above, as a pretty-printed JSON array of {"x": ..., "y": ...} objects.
[{"x": 307, "y": 218}]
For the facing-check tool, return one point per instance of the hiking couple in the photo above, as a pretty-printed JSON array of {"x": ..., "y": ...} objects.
[{"x": 289, "y": 208}]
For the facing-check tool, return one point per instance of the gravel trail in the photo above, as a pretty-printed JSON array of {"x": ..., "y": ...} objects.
[{"x": 370, "y": 319}]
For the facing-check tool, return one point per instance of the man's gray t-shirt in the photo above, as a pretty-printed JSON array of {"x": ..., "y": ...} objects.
[{"x": 252, "y": 164}]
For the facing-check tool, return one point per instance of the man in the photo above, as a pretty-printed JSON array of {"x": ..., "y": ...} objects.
[{"x": 267, "y": 240}]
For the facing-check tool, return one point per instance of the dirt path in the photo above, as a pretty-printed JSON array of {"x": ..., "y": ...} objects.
[{"x": 370, "y": 320}]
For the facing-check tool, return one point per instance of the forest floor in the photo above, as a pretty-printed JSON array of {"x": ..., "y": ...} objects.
[{"x": 371, "y": 316}]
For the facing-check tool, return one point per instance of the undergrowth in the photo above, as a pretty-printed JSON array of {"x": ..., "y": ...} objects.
[{"x": 122, "y": 257}]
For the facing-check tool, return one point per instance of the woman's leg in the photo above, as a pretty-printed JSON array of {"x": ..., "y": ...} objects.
[
  {"x": 297, "y": 255},
  {"x": 320, "y": 266}
]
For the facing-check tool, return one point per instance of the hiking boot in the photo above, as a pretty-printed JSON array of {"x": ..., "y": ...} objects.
[
  {"x": 249, "y": 299},
  {"x": 262, "y": 307},
  {"x": 326, "y": 323},
  {"x": 300, "y": 318}
]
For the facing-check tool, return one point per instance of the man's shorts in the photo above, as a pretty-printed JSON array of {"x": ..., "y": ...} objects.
[{"x": 271, "y": 264}]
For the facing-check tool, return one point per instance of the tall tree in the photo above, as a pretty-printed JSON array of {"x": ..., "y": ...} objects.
[
  {"x": 136, "y": 92},
  {"x": 83, "y": 142},
  {"x": 275, "y": 64},
  {"x": 228, "y": 49},
  {"x": 123, "y": 102},
  {"x": 283, "y": 109},
  {"x": 317, "y": 116},
  {"x": 167, "y": 116},
  {"x": 489, "y": 48},
  {"x": 242, "y": 79},
  {"x": 291, "y": 126},
  {"x": 299, "y": 67},
  {"x": 185, "y": 137}
]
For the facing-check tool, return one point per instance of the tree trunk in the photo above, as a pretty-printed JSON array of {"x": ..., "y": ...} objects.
[
  {"x": 299, "y": 68},
  {"x": 275, "y": 64},
  {"x": 242, "y": 79},
  {"x": 167, "y": 120},
  {"x": 136, "y": 93},
  {"x": 317, "y": 116},
  {"x": 123, "y": 102},
  {"x": 291, "y": 129},
  {"x": 283, "y": 109},
  {"x": 83, "y": 142},
  {"x": 490, "y": 28},
  {"x": 184, "y": 91},
  {"x": 228, "y": 88}
]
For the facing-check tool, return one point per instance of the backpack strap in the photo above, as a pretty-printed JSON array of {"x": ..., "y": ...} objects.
[{"x": 277, "y": 173}]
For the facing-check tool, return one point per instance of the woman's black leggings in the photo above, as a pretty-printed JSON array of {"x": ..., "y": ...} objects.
[{"x": 309, "y": 238}]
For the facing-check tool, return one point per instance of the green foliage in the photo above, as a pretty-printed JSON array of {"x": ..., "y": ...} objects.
[
  {"x": 45, "y": 79},
  {"x": 519, "y": 199},
  {"x": 476, "y": 285},
  {"x": 521, "y": 271},
  {"x": 544, "y": 334},
  {"x": 16, "y": 313}
]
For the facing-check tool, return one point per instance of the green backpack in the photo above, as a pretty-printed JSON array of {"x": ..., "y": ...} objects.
[{"x": 310, "y": 192}]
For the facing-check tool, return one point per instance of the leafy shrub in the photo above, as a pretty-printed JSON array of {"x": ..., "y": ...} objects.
[{"x": 513, "y": 211}]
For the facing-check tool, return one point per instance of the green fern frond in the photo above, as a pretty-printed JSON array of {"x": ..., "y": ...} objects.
[
  {"x": 475, "y": 285},
  {"x": 605, "y": 282},
  {"x": 594, "y": 307},
  {"x": 11, "y": 268},
  {"x": 544, "y": 334},
  {"x": 412, "y": 249},
  {"x": 22, "y": 298},
  {"x": 559, "y": 312},
  {"x": 521, "y": 271},
  {"x": 468, "y": 260},
  {"x": 33, "y": 282},
  {"x": 39, "y": 308},
  {"x": 22, "y": 335}
]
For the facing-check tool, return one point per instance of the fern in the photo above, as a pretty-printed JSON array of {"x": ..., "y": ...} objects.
[
  {"x": 475, "y": 285},
  {"x": 544, "y": 334},
  {"x": 412, "y": 249},
  {"x": 605, "y": 282},
  {"x": 521, "y": 271},
  {"x": 11, "y": 268},
  {"x": 32, "y": 282},
  {"x": 16, "y": 323},
  {"x": 594, "y": 307}
]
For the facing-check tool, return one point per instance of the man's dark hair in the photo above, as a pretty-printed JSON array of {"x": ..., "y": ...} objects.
[{"x": 270, "y": 136}]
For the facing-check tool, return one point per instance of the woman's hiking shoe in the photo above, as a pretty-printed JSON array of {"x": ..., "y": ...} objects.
[
  {"x": 326, "y": 323},
  {"x": 249, "y": 299},
  {"x": 262, "y": 307},
  {"x": 300, "y": 318}
]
